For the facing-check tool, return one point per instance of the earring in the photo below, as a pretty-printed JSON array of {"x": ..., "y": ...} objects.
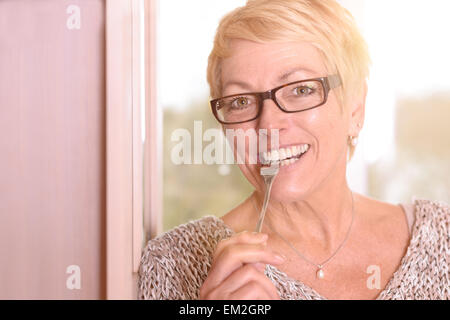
[{"x": 354, "y": 141}]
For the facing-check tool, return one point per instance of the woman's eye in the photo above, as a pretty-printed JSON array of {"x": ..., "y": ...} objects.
[
  {"x": 302, "y": 91},
  {"x": 241, "y": 102}
]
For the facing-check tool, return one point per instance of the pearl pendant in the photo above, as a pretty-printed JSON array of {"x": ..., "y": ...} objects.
[{"x": 320, "y": 274}]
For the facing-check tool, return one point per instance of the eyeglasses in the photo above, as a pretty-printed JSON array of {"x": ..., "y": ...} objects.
[{"x": 291, "y": 98}]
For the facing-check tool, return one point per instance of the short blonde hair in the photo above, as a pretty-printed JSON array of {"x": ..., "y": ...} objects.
[{"x": 323, "y": 23}]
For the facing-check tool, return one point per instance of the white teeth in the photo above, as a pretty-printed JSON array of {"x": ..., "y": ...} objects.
[
  {"x": 285, "y": 154},
  {"x": 288, "y": 162},
  {"x": 264, "y": 157},
  {"x": 289, "y": 153},
  {"x": 275, "y": 156}
]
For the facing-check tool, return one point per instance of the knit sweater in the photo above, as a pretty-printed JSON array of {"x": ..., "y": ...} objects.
[{"x": 175, "y": 264}]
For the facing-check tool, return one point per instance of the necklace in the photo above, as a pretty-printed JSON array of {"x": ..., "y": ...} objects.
[{"x": 320, "y": 274}]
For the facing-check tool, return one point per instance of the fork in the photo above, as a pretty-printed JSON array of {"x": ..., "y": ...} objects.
[{"x": 269, "y": 174}]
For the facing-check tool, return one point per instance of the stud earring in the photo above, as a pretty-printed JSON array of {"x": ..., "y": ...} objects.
[{"x": 354, "y": 141}]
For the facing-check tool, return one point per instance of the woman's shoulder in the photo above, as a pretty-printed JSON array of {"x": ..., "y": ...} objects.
[
  {"x": 431, "y": 231},
  {"x": 205, "y": 231},
  {"x": 430, "y": 236},
  {"x": 431, "y": 214},
  {"x": 423, "y": 273},
  {"x": 175, "y": 264},
  {"x": 424, "y": 270},
  {"x": 423, "y": 211}
]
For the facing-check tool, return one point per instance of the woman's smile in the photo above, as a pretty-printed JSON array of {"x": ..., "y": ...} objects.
[
  {"x": 284, "y": 155},
  {"x": 293, "y": 165}
]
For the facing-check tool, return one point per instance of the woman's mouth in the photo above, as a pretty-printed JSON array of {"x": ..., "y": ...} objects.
[{"x": 284, "y": 156}]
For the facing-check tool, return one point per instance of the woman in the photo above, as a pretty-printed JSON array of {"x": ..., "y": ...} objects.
[{"x": 319, "y": 239}]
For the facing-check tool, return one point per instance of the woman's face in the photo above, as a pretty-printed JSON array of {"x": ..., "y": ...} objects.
[{"x": 255, "y": 67}]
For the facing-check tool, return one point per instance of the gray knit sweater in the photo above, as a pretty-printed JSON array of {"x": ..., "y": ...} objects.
[{"x": 175, "y": 265}]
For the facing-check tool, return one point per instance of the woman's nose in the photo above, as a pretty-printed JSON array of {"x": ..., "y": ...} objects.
[{"x": 271, "y": 116}]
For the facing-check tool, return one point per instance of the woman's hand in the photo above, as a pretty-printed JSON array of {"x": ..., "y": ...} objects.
[{"x": 237, "y": 271}]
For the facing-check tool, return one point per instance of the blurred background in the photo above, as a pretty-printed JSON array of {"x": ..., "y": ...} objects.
[{"x": 404, "y": 149}]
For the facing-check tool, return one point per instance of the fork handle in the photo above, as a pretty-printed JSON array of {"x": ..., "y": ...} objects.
[{"x": 268, "y": 181}]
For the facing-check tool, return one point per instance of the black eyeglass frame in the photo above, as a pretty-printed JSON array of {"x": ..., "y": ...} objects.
[{"x": 328, "y": 83}]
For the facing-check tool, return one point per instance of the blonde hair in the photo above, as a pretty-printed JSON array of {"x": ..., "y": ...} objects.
[{"x": 323, "y": 23}]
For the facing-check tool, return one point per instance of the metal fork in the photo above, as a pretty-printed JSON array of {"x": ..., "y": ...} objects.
[{"x": 269, "y": 174}]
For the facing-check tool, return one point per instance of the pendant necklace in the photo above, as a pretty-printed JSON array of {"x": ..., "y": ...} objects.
[{"x": 320, "y": 274}]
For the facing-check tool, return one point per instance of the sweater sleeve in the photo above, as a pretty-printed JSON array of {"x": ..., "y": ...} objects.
[
  {"x": 424, "y": 273},
  {"x": 175, "y": 265}
]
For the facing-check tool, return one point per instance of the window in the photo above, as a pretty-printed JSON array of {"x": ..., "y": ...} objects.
[{"x": 403, "y": 151}]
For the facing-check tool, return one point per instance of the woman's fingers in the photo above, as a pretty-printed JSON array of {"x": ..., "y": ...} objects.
[
  {"x": 261, "y": 267},
  {"x": 250, "y": 291},
  {"x": 239, "y": 283},
  {"x": 243, "y": 237},
  {"x": 236, "y": 256},
  {"x": 238, "y": 269}
]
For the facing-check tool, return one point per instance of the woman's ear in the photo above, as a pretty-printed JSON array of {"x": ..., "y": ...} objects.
[{"x": 358, "y": 111}]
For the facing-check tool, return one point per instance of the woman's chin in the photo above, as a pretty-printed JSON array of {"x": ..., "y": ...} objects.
[{"x": 286, "y": 194}]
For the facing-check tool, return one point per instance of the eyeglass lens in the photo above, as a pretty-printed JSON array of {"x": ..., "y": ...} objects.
[{"x": 295, "y": 97}]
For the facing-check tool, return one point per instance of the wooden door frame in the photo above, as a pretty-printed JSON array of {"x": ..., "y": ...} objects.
[{"x": 132, "y": 215}]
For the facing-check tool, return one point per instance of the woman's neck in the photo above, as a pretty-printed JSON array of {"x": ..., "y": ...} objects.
[{"x": 323, "y": 217}]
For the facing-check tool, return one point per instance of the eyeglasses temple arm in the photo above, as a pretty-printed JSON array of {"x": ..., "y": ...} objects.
[{"x": 334, "y": 81}]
